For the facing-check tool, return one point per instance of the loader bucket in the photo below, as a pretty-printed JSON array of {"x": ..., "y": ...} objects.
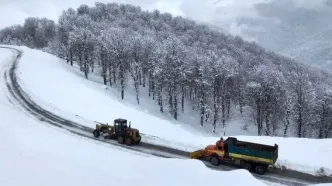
[{"x": 197, "y": 154}]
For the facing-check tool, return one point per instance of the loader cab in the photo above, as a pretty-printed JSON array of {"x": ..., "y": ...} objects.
[{"x": 120, "y": 125}]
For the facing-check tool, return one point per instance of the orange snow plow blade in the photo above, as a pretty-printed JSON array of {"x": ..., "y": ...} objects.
[{"x": 197, "y": 154}]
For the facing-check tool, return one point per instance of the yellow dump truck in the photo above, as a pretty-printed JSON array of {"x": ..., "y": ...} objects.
[{"x": 251, "y": 156}]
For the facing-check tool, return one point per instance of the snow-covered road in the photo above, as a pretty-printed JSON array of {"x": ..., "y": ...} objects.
[
  {"x": 62, "y": 89},
  {"x": 33, "y": 153},
  {"x": 18, "y": 93}
]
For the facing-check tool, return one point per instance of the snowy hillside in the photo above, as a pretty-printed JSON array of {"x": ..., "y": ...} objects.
[
  {"x": 296, "y": 28},
  {"x": 299, "y": 29},
  {"x": 62, "y": 89},
  {"x": 32, "y": 153},
  {"x": 303, "y": 32},
  {"x": 195, "y": 74}
]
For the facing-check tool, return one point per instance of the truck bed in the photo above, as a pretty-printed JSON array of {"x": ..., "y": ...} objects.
[{"x": 252, "y": 151}]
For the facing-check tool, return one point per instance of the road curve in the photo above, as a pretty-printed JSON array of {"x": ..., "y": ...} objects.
[{"x": 284, "y": 177}]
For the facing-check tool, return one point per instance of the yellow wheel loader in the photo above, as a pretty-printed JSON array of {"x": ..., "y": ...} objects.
[{"x": 119, "y": 131}]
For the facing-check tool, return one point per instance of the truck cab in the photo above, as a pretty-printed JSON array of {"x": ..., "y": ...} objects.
[{"x": 217, "y": 152}]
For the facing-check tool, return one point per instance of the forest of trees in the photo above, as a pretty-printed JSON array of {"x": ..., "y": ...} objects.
[{"x": 178, "y": 60}]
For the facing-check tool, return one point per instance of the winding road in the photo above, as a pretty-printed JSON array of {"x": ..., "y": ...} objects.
[{"x": 17, "y": 95}]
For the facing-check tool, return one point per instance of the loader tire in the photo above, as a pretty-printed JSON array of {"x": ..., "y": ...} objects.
[
  {"x": 214, "y": 160},
  {"x": 129, "y": 141},
  {"x": 96, "y": 133},
  {"x": 120, "y": 140}
]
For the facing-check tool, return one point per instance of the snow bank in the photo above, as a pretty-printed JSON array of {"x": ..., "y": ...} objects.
[
  {"x": 36, "y": 154},
  {"x": 52, "y": 84},
  {"x": 33, "y": 153}
]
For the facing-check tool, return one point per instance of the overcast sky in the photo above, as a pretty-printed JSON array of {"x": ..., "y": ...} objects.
[
  {"x": 14, "y": 11},
  {"x": 224, "y": 13}
]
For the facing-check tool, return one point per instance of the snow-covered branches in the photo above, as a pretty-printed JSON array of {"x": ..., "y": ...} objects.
[{"x": 179, "y": 60}]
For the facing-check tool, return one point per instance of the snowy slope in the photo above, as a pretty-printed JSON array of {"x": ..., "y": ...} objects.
[
  {"x": 33, "y": 153},
  {"x": 53, "y": 85}
]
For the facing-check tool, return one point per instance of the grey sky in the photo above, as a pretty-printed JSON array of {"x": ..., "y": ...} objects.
[
  {"x": 15, "y": 11},
  {"x": 261, "y": 20},
  {"x": 224, "y": 12}
]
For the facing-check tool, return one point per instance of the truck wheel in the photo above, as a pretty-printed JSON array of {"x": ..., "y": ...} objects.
[
  {"x": 246, "y": 166},
  {"x": 120, "y": 140},
  {"x": 215, "y": 160},
  {"x": 260, "y": 169},
  {"x": 96, "y": 133},
  {"x": 129, "y": 142}
]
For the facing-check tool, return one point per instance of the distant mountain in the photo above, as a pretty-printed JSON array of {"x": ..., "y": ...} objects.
[{"x": 298, "y": 29}]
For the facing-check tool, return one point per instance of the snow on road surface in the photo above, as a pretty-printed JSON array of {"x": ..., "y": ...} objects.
[
  {"x": 50, "y": 81},
  {"x": 34, "y": 153}
]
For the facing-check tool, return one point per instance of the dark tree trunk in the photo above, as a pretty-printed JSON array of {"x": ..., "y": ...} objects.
[
  {"x": 300, "y": 120},
  {"x": 136, "y": 84},
  {"x": 194, "y": 97},
  {"x": 170, "y": 100},
  {"x": 121, "y": 76},
  {"x": 150, "y": 83},
  {"x": 322, "y": 123},
  {"x": 287, "y": 122},
  {"x": 241, "y": 104},
  {"x": 153, "y": 89},
  {"x": 186, "y": 92},
  {"x": 104, "y": 79},
  {"x": 215, "y": 107},
  {"x": 86, "y": 63},
  {"x": 71, "y": 57},
  {"x": 140, "y": 77},
  {"x": 268, "y": 125},
  {"x": 114, "y": 75},
  {"x": 190, "y": 94},
  {"x": 160, "y": 92},
  {"x": 86, "y": 70},
  {"x": 104, "y": 67},
  {"x": 80, "y": 60},
  {"x": 144, "y": 74},
  {"x": 258, "y": 119},
  {"x": 202, "y": 106},
  {"x": 92, "y": 66},
  {"x": 182, "y": 98},
  {"x": 223, "y": 113},
  {"x": 228, "y": 106},
  {"x": 175, "y": 104},
  {"x": 110, "y": 71}
]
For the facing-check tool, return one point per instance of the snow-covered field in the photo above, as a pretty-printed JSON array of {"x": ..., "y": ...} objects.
[
  {"x": 63, "y": 90},
  {"x": 33, "y": 153}
]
